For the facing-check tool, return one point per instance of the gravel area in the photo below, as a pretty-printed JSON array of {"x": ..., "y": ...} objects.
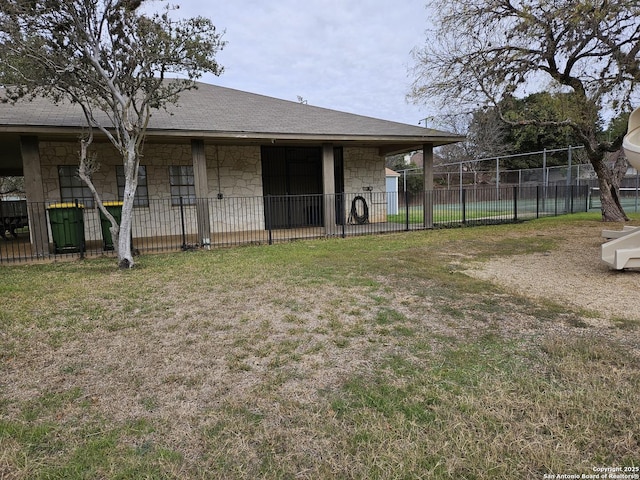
[{"x": 572, "y": 273}]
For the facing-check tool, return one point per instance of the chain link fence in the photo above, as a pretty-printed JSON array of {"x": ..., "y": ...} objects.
[{"x": 487, "y": 172}]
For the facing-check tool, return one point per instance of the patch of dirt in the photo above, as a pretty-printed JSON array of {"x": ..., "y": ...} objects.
[{"x": 571, "y": 274}]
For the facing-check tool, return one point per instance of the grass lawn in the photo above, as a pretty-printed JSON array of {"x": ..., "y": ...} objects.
[
  {"x": 368, "y": 357},
  {"x": 452, "y": 214}
]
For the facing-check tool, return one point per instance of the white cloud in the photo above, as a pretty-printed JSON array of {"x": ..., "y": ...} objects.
[{"x": 340, "y": 54}]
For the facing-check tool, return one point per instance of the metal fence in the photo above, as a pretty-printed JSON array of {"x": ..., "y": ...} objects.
[
  {"x": 482, "y": 205},
  {"x": 549, "y": 177},
  {"x": 574, "y": 170},
  {"x": 36, "y": 231}
]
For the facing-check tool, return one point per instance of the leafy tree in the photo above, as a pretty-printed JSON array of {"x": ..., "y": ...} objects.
[
  {"x": 485, "y": 52},
  {"x": 411, "y": 177},
  {"x": 533, "y": 137},
  {"x": 487, "y": 137},
  {"x": 113, "y": 62},
  {"x": 396, "y": 162},
  {"x": 617, "y": 127}
]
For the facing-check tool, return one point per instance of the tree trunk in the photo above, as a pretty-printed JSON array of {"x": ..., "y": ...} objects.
[
  {"x": 125, "y": 255},
  {"x": 610, "y": 206},
  {"x": 85, "y": 170}
]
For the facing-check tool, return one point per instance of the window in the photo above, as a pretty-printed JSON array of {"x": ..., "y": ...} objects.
[
  {"x": 182, "y": 185},
  {"x": 72, "y": 188},
  {"x": 142, "y": 192}
]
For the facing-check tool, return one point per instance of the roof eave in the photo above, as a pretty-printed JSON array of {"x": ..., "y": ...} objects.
[
  {"x": 388, "y": 144},
  {"x": 435, "y": 140}
]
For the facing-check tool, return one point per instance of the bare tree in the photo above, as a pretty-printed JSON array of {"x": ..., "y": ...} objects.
[
  {"x": 483, "y": 52},
  {"x": 486, "y": 136},
  {"x": 114, "y": 63}
]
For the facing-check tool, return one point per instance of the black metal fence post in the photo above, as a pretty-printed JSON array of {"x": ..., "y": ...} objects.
[
  {"x": 538, "y": 201},
  {"x": 184, "y": 233},
  {"x": 342, "y": 216},
  {"x": 406, "y": 210},
  {"x": 80, "y": 228},
  {"x": 515, "y": 204},
  {"x": 269, "y": 218},
  {"x": 571, "y": 193},
  {"x": 586, "y": 198},
  {"x": 463, "y": 198}
]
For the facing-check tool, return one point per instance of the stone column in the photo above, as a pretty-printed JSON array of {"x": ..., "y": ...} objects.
[
  {"x": 427, "y": 158},
  {"x": 202, "y": 192},
  {"x": 328, "y": 188},
  {"x": 30, "y": 151}
]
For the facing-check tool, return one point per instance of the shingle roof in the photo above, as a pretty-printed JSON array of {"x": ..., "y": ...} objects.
[{"x": 214, "y": 111}]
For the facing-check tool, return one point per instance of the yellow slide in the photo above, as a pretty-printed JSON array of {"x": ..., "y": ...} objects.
[{"x": 624, "y": 252}]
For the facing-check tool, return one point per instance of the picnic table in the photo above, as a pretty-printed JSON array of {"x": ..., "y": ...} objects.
[{"x": 13, "y": 215}]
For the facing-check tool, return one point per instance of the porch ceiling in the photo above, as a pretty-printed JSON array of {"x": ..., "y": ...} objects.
[
  {"x": 386, "y": 145},
  {"x": 10, "y": 156}
]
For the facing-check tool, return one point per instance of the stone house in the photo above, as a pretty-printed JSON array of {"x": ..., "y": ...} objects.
[{"x": 216, "y": 144}]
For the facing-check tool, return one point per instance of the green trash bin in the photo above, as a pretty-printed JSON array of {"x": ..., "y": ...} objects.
[
  {"x": 67, "y": 226},
  {"x": 115, "y": 209}
]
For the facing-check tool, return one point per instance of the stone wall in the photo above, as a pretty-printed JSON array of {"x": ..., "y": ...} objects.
[
  {"x": 234, "y": 176},
  {"x": 364, "y": 175},
  {"x": 234, "y": 181},
  {"x": 159, "y": 219}
]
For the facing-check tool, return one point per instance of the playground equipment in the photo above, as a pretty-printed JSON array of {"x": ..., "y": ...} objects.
[{"x": 624, "y": 250}]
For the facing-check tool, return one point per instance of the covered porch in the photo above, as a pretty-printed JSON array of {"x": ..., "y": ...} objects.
[{"x": 216, "y": 143}]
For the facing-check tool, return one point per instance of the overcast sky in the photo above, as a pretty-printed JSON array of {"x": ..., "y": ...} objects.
[{"x": 346, "y": 55}]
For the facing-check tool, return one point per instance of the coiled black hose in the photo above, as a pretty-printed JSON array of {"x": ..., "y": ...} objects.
[{"x": 354, "y": 218}]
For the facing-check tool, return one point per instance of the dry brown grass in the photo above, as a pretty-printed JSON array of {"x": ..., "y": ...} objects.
[{"x": 358, "y": 358}]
